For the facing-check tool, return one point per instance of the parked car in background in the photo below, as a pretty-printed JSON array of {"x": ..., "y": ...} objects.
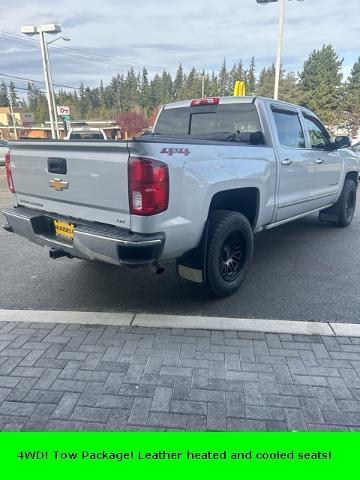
[
  {"x": 86, "y": 133},
  {"x": 3, "y": 149}
]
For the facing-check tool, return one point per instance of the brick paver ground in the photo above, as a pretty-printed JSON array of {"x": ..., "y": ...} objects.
[{"x": 85, "y": 377}]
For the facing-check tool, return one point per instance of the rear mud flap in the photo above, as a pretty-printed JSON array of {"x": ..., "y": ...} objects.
[
  {"x": 330, "y": 214},
  {"x": 191, "y": 266}
]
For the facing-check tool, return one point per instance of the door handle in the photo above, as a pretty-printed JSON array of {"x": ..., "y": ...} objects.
[
  {"x": 319, "y": 161},
  {"x": 287, "y": 161}
]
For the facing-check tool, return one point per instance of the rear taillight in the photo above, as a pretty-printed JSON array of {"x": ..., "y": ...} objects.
[
  {"x": 8, "y": 173},
  {"x": 148, "y": 186},
  {"x": 197, "y": 102}
]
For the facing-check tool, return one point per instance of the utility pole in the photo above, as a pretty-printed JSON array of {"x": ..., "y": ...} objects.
[
  {"x": 203, "y": 85},
  {"x": 47, "y": 82},
  {"x": 12, "y": 114},
  {"x": 279, "y": 47}
]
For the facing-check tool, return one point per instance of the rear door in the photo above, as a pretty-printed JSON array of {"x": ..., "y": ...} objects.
[
  {"x": 328, "y": 164},
  {"x": 85, "y": 180},
  {"x": 296, "y": 169}
]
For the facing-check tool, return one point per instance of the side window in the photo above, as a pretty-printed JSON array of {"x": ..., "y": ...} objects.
[
  {"x": 289, "y": 129},
  {"x": 319, "y": 137}
]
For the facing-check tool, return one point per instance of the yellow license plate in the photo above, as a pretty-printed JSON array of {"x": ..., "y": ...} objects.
[{"x": 64, "y": 230}]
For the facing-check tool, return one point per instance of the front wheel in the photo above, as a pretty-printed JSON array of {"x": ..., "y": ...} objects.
[
  {"x": 229, "y": 253},
  {"x": 342, "y": 213},
  {"x": 347, "y": 204}
]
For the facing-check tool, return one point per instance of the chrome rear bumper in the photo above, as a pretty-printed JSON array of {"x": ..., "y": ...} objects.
[{"x": 92, "y": 241}]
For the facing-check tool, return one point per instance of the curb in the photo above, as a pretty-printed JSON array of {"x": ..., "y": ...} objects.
[{"x": 180, "y": 321}]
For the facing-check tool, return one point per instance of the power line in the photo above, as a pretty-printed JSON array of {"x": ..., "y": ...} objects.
[
  {"x": 68, "y": 51},
  {"x": 85, "y": 52},
  {"x": 77, "y": 54},
  {"x": 36, "y": 81}
]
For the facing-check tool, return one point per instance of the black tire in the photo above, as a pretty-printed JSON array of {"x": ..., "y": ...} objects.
[
  {"x": 230, "y": 247},
  {"x": 345, "y": 206}
]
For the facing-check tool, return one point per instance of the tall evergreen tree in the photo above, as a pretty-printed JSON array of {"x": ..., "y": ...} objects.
[
  {"x": 37, "y": 102},
  {"x": 192, "y": 88},
  {"x": 113, "y": 93},
  {"x": 4, "y": 99},
  {"x": 289, "y": 89},
  {"x": 84, "y": 101},
  {"x": 155, "y": 91},
  {"x": 131, "y": 94},
  {"x": 144, "y": 91},
  {"x": 232, "y": 77},
  {"x": 320, "y": 80},
  {"x": 167, "y": 92},
  {"x": 265, "y": 85},
  {"x": 13, "y": 95},
  {"x": 224, "y": 80},
  {"x": 179, "y": 83},
  {"x": 214, "y": 85},
  {"x": 250, "y": 78},
  {"x": 352, "y": 100}
]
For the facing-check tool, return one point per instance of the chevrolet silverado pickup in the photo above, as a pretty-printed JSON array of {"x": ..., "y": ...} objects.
[{"x": 211, "y": 173}]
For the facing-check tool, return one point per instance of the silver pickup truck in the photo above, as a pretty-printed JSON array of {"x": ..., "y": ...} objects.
[{"x": 211, "y": 174}]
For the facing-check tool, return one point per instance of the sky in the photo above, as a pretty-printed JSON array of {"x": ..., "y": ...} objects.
[{"x": 159, "y": 34}]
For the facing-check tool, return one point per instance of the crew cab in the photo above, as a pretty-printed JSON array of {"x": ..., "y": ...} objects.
[{"x": 212, "y": 173}]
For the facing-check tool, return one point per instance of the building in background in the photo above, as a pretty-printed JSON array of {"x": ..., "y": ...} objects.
[
  {"x": 27, "y": 128},
  {"x": 19, "y": 116}
]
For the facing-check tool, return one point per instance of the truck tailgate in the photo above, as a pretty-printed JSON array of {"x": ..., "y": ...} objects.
[{"x": 86, "y": 180}]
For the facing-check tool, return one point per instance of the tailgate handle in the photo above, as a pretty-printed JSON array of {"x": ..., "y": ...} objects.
[{"x": 57, "y": 165}]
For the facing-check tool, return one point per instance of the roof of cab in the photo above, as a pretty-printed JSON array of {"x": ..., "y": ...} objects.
[
  {"x": 245, "y": 99},
  {"x": 223, "y": 100}
]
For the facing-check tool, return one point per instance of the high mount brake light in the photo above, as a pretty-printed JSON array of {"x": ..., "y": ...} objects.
[
  {"x": 148, "y": 186},
  {"x": 205, "y": 101},
  {"x": 8, "y": 173}
]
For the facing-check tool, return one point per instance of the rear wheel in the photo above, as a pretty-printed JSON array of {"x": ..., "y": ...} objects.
[{"x": 229, "y": 252}]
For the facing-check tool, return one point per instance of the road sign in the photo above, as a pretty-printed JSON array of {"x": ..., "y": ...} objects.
[
  {"x": 63, "y": 110},
  {"x": 67, "y": 118}
]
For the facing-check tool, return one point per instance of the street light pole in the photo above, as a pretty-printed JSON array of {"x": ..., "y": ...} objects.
[
  {"x": 279, "y": 47},
  {"x": 47, "y": 81},
  {"x": 53, "y": 98},
  {"x": 52, "y": 93},
  {"x": 279, "y": 41},
  {"x": 50, "y": 96}
]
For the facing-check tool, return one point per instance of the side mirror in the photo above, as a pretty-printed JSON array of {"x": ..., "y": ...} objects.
[{"x": 342, "y": 141}]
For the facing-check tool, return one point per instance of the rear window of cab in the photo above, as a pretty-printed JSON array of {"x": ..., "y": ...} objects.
[{"x": 230, "y": 118}]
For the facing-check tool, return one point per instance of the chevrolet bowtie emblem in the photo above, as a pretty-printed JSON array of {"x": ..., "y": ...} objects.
[{"x": 58, "y": 184}]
